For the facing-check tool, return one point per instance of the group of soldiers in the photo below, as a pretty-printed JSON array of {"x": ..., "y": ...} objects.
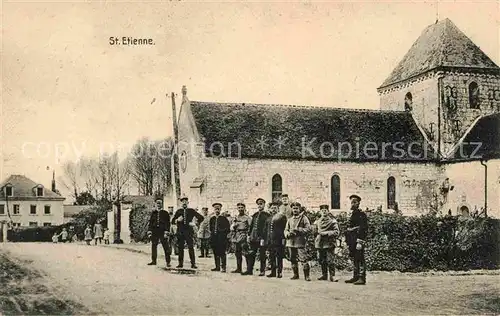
[{"x": 281, "y": 231}]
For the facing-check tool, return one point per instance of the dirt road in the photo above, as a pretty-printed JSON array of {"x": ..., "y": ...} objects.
[{"x": 115, "y": 281}]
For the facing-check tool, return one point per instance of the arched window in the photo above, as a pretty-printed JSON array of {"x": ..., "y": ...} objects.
[
  {"x": 391, "y": 193},
  {"x": 474, "y": 95},
  {"x": 277, "y": 188},
  {"x": 335, "y": 192},
  {"x": 408, "y": 102}
]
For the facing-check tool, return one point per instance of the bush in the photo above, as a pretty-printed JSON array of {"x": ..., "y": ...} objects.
[
  {"x": 139, "y": 220},
  {"x": 33, "y": 234},
  {"x": 422, "y": 243}
]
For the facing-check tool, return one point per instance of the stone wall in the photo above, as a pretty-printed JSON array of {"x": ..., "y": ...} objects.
[
  {"x": 457, "y": 115},
  {"x": 425, "y": 101},
  {"x": 233, "y": 180},
  {"x": 468, "y": 181}
]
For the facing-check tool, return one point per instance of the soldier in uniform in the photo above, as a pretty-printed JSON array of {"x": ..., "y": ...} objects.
[
  {"x": 219, "y": 228},
  {"x": 285, "y": 206},
  {"x": 159, "y": 231},
  {"x": 204, "y": 234},
  {"x": 256, "y": 239},
  {"x": 327, "y": 230},
  {"x": 275, "y": 240},
  {"x": 296, "y": 230},
  {"x": 184, "y": 220},
  {"x": 240, "y": 228},
  {"x": 355, "y": 238}
]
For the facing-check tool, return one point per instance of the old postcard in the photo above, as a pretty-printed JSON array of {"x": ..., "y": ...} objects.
[{"x": 250, "y": 158}]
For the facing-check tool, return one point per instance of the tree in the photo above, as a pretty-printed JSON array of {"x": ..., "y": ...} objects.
[
  {"x": 85, "y": 198},
  {"x": 70, "y": 178}
]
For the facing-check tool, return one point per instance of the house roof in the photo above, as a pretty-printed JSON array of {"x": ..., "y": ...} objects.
[
  {"x": 139, "y": 199},
  {"x": 440, "y": 45},
  {"x": 257, "y": 129},
  {"x": 24, "y": 188},
  {"x": 71, "y": 210},
  {"x": 482, "y": 141}
]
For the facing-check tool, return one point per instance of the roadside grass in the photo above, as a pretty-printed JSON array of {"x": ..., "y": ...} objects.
[{"x": 23, "y": 292}]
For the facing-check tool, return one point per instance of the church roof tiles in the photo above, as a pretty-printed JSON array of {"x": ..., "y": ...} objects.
[
  {"x": 297, "y": 132},
  {"x": 440, "y": 45}
]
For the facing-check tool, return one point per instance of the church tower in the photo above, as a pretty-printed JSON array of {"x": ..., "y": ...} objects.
[{"x": 446, "y": 82}]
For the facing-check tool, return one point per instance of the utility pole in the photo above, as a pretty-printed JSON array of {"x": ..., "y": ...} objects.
[{"x": 177, "y": 182}]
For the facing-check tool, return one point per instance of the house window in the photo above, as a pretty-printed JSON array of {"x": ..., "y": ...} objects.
[
  {"x": 474, "y": 95},
  {"x": 33, "y": 224},
  {"x": 408, "y": 102},
  {"x": 335, "y": 192},
  {"x": 391, "y": 193},
  {"x": 39, "y": 191},
  {"x": 16, "y": 209},
  {"x": 47, "y": 224},
  {"x": 33, "y": 210},
  {"x": 277, "y": 188},
  {"x": 9, "y": 191},
  {"x": 47, "y": 210},
  {"x": 2, "y": 209}
]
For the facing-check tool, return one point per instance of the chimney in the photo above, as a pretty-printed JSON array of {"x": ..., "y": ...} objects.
[{"x": 54, "y": 181}]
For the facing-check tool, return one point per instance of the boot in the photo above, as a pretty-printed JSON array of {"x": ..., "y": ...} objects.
[
  {"x": 239, "y": 259},
  {"x": 280, "y": 269},
  {"x": 217, "y": 264},
  {"x": 353, "y": 279},
  {"x": 306, "y": 274},
  {"x": 250, "y": 263},
  {"x": 360, "y": 281},
  {"x": 295, "y": 269},
  {"x": 332, "y": 274},
  {"x": 181, "y": 258},
  {"x": 192, "y": 258},
  {"x": 262, "y": 268},
  {"x": 272, "y": 274},
  {"x": 324, "y": 273},
  {"x": 223, "y": 263}
]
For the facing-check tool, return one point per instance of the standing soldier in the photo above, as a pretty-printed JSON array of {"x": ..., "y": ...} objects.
[
  {"x": 204, "y": 234},
  {"x": 240, "y": 227},
  {"x": 355, "y": 238},
  {"x": 219, "y": 228},
  {"x": 184, "y": 219},
  {"x": 328, "y": 230},
  {"x": 275, "y": 240},
  {"x": 159, "y": 230},
  {"x": 285, "y": 206},
  {"x": 296, "y": 231},
  {"x": 256, "y": 238}
]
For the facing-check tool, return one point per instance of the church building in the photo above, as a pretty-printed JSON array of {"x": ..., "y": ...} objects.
[{"x": 433, "y": 145}]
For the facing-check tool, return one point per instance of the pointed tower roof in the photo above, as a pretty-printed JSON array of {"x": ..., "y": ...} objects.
[{"x": 440, "y": 44}]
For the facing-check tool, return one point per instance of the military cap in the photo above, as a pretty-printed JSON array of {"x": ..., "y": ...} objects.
[
  {"x": 217, "y": 203},
  {"x": 260, "y": 200},
  {"x": 161, "y": 200},
  {"x": 241, "y": 204},
  {"x": 297, "y": 204},
  {"x": 183, "y": 197},
  {"x": 284, "y": 195},
  {"x": 324, "y": 207},
  {"x": 355, "y": 196}
]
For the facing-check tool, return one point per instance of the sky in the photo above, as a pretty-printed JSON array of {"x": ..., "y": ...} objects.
[{"x": 67, "y": 92}]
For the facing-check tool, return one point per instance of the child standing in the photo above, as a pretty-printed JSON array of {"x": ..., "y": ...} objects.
[
  {"x": 64, "y": 235},
  {"x": 55, "y": 238},
  {"x": 88, "y": 235},
  {"x": 106, "y": 236}
]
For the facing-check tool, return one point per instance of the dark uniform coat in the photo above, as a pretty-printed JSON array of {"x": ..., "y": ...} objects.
[
  {"x": 275, "y": 230},
  {"x": 159, "y": 222},
  {"x": 219, "y": 228},
  {"x": 358, "y": 219},
  {"x": 188, "y": 214},
  {"x": 258, "y": 226}
]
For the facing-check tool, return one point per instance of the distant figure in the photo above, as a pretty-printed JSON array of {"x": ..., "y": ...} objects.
[
  {"x": 356, "y": 240},
  {"x": 88, "y": 235},
  {"x": 106, "y": 236},
  {"x": 204, "y": 234},
  {"x": 98, "y": 232},
  {"x": 64, "y": 235},
  {"x": 55, "y": 238}
]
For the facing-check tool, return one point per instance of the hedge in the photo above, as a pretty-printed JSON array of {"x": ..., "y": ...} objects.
[{"x": 138, "y": 223}]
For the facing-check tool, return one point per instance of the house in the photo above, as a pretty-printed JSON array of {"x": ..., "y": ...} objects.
[
  {"x": 434, "y": 143},
  {"x": 29, "y": 203}
]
